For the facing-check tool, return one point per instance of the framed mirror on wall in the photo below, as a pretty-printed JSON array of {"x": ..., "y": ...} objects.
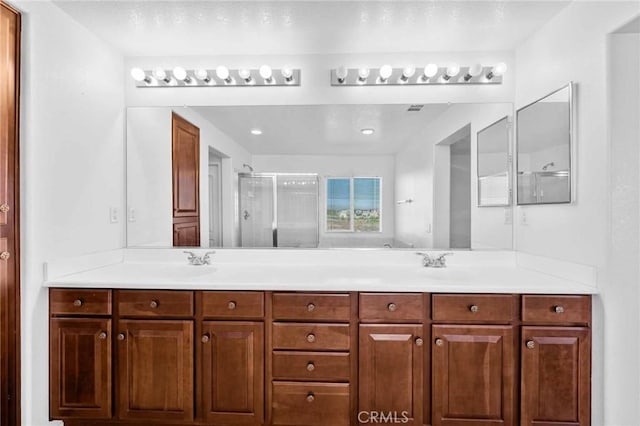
[
  {"x": 544, "y": 138},
  {"x": 494, "y": 164}
]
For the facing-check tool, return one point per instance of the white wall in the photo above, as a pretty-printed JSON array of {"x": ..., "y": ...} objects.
[
  {"x": 341, "y": 166},
  {"x": 573, "y": 46},
  {"x": 149, "y": 176},
  {"x": 72, "y": 168},
  {"x": 415, "y": 180}
]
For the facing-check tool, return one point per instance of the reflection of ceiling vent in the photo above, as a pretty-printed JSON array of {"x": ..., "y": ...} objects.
[{"x": 413, "y": 108}]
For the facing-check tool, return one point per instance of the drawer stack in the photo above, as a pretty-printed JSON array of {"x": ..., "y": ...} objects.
[{"x": 311, "y": 340}]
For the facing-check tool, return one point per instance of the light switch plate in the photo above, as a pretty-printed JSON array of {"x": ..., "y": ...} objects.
[{"x": 114, "y": 215}]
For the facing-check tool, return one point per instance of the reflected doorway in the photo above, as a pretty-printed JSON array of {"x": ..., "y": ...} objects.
[
  {"x": 215, "y": 199},
  {"x": 452, "y": 191}
]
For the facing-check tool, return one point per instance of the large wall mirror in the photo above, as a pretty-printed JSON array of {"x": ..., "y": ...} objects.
[
  {"x": 544, "y": 147},
  {"x": 494, "y": 165},
  {"x": 307, "y": 176}
]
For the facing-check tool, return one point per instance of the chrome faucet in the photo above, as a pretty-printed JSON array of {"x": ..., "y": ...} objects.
[
  {"x": 439, "y": 261},
  {"x": 199, "y": 260}
]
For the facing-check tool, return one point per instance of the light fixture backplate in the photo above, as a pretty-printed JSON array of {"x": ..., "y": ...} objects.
[
  {"x": 416, "y": 79},
  {"x": 276, "y": 80}
]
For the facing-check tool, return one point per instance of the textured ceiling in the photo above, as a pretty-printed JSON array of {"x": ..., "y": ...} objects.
[{"x": 175, "y": 28}]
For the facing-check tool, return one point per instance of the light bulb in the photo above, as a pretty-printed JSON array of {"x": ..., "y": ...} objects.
[
  {"x": 498, "y": 70},
  {"x": 430, "y": 71},
  {"x": 385, "y": 72},
  {"x": 139, "y": 75},
  {"x": 287, "y": 73},
  {"x": 407, "y": 73},
  {"x": 202, "y": 75},
  {"x": 160, "y": 74},
  {"x": 266, "y": 72},
  {"x": 341, "y": 74},
  {"x": 363, "y": 74},
  {"x": 367, "y": 132},
  {"x": 181, "y": 74},
  {"x": 245, "y": 74},
  {"x": 222, "y": 73},
  {"x": 451, "y": 71},
  {"x": 256, "y": 132},
  {"x": 474, "y": 71}
]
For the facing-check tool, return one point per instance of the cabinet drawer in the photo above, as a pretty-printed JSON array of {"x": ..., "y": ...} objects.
[
  {"x": 391, "y": 307},
  {"x": 310, "y": 337},
  {"x": 232, "y": 304},
  {"x": 79, "y": 302},
  {"x": 311, "y": 307},
  {"x": 311, "y": 366},
  {"x": 474, "y": 307},
  {"x": 556, "y": 309},
  {"x": 317, "y": 404},
  {"x": 133, "y": 303}
]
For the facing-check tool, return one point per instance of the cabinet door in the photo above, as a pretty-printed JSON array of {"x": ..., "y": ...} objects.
[
  {"x": 473, "y": 375},
  {"x": 556, "y": 376},
  {"x": 233, "y": 372},
  {"x": 391, "y": 373},
  {"x": 155, "y": 369},
  {"x": 186, "y": 233},
  {"x": 80, "y": 368}
]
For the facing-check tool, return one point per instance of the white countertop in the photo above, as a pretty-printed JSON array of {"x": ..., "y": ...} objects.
[{"x": 365, "y": 272}]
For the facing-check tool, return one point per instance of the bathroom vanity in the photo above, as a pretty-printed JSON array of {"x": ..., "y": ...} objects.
[{"x": 128, "y": 353}]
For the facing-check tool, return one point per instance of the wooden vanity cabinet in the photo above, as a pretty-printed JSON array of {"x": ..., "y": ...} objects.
[
  {"x": 121, "y": 357},
  {"x": 556, "y": 360},
  {"x": 391, "y": 358},
  {"x": 231, "y": 361},
  {"x": 80, "y": 370},
  {"x": 474, "y": 360}
]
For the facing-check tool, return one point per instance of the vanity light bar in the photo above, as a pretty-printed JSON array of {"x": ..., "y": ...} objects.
[
  {"x": 217, "y": 77},
  {"x": 431, "y": 74}
]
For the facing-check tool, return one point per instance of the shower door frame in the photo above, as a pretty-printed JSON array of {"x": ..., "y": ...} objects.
[
  {"x": 274, "y": 218},
  {"x": 274, "y": 223}
]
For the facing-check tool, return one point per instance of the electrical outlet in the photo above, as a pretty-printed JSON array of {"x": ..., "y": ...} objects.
[
  {"x": 508, "y": 216},
  {"x": 114, "y": 215},
  {"x": 132, "y": 215},
  {"x": 523, "y": 217}
]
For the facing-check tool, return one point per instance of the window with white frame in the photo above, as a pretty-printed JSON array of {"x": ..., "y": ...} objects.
[{"x": 353, "y": 204}]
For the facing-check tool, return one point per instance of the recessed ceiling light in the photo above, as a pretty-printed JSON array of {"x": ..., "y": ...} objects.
[
  {"x": 256, "y": 132},
  {"x": 367, "y": 131}
]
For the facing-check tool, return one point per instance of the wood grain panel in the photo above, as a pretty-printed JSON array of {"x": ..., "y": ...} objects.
[
  {"x": 484, "y": 308},
  {"x": 540, "y": 309},
  {"x": 311, "y": 337},
  {"x": 391, "y": 307},
  {"x": 10, "y": 27},
  {"x": 310, "y": 404},
  {"x": 155, "y": 303},
  {"x": 311, "y": 307},
  {"x": 79, "y": 302},
  {"x": 312, "y": 366},
  {"x": 155, "y": 370},
  {"x": 556, "y": 376},
  {"x": 80, "y": 368},
  {"x": 232, "y": 304},
  {"x": 391, "y": 371},
  {"x": 473, "y": 375},
  {"x": 233, "y": 372}
]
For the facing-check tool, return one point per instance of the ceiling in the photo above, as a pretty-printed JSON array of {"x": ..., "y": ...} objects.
[
  {"x": 179, "y": 28},
  {"x": 323, "y": 129}
]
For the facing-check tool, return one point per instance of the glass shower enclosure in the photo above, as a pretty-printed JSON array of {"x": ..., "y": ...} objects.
[{"x": 278, "y": 210}]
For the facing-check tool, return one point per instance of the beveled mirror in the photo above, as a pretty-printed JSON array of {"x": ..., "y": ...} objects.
[{"x": 544, "y": 144}]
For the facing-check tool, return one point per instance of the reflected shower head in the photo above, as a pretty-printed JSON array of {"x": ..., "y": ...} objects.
[
  {"x": 546, "y": 166},
  {"x": 247, "y": 167}
]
